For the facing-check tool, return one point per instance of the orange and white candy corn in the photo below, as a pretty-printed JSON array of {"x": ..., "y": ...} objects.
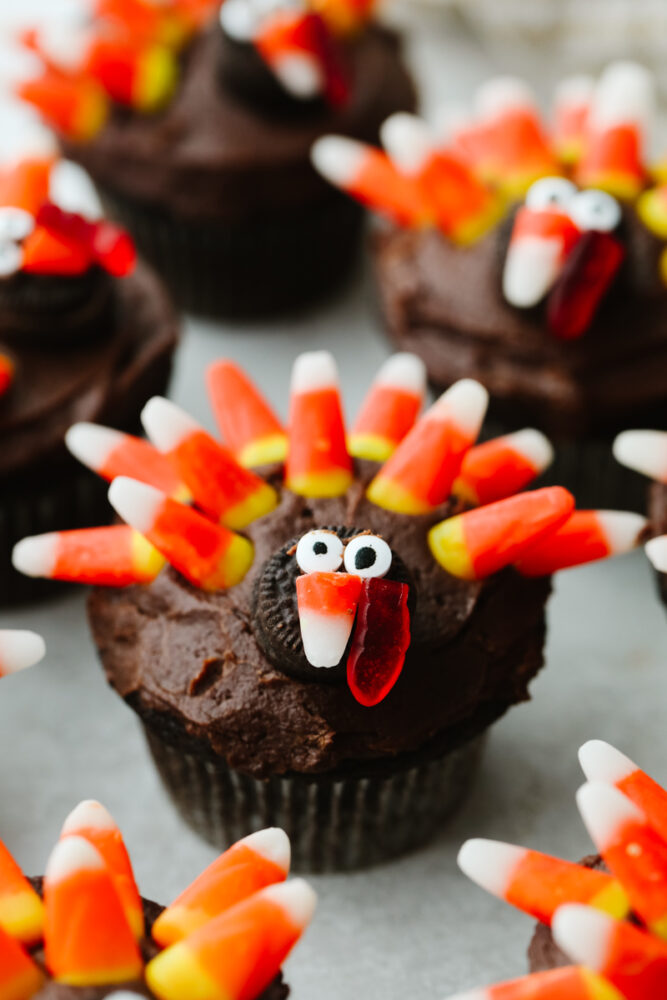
[
  {"x": 25, "y": 185},
  {"x": 95, "y": 824},
  {"x": 112, "y": 453},
  {"x": 652, "y": 210},
  {"x": 536, "y": 883},
  {"x": 569, "y": 983},
  {"x": 367, "y": 174},
  {"x": 142, "y": 76},
  {"x": 619, "y": 123},
  {"x": 503, "y": 466},
  {"x": 237, "y": 954},
  {"x": 114, "y": 556},
  {"x": 479, "y": 542},
  {"x": 586, "y": 536},
  {"x": 261, "y": 859},
  {"x": 464, "y": 207},
  {"x": 6, "y": 364},
  {"x": 19, "y": 649},
  {"x": 88, "y": 940},
  {"x": 300, "y": 51},
  {"x": 248, "y": 425},
  {"x": 542, "y": 237},
  {"x": 75, "y": 106},
  {"x": 656, "y": 550},
  {"x": 602, "y": 762},
  {"x": 223, "y": 489},
  {"x": 632, "y": 849},
  {"x": 318, "y": 463},
  {"x": 208, "y": 555},
  {"x": 643, "y": 451},
  {"x": 633, "y": 962},
  {"x": 390, "y": 408},
  {"x": 19, "y": 976},
  {"x": 570, "y": 116},
  {"x": 327, "y": 605},
  {"x": 21, "y": 909},
  {"x": 420, "y": 473}
]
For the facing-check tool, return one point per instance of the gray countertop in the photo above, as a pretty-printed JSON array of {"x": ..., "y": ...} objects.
[{"x": 415, "y": 928}]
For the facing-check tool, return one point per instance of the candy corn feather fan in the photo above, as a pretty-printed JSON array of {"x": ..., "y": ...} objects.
[
  {"x": 84, "y": 924},
  {"x": 609, "y": 920},
  {"x": 187, "y": 499}
]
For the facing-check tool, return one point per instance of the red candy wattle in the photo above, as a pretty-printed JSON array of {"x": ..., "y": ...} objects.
[
  {"x": 587, "y": 273},
  {"x": 380, "y": 640},
  {"x": 106, "y": 243},
  {"x": 6, "y": 373},
  {"x": 322, "y": 42}
]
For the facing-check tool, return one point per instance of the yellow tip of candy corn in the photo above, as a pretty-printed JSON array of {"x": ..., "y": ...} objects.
[
  {"x": 652, "y": 210},
  {"x": 625, "y": 187},
  {"x": 598, "y": 988},
  {"x": 147, "y": 561},
  {"x": 176, "y": 973},
  {"x": 156, "y": 80},
  {"x": 237, "y": 561},
  {"x": 325, "y": 484},
  {"x": 91, "y": 117},
  {"x": 263, "y": 500},
  {"x": 473, "y": 229},
  {"x": 386, "y": 493},
  {"x": 22, "y": 916},
  {"x": 613, "y": 901},
  {"x": 447, "y": 543},
  {"x": 370, "y": 446},
  {"x": 266, "y": 451}
]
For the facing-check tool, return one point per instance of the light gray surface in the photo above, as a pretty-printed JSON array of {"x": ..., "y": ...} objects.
[{"x": 415, "y": 928}]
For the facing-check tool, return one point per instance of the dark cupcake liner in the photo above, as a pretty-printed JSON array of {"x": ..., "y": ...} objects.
[
  {"x": 251, "y": 268},
  {"x": 335, "y": 823}
]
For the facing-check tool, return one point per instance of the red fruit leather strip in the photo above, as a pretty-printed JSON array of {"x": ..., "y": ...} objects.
[
  {"x": 588, "y": 272},
  {"x": 380, "y": 640},
  {"x": 111, "y": 246}
]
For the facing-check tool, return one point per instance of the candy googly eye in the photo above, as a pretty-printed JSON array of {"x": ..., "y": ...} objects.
[
  {"x": 368, "y": 555},
  {"x": 15, "y": 224},
  {"x": 319, "y": 552},
  {"x": 595, "y": 210},
  {"x": 11, "y": 259},
  {"x": 550, "y": 192}
]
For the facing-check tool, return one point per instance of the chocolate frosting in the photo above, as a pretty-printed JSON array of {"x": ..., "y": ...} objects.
[
  {"x": 445, "y": 303},
  {"x": 211, "y": 155},
  {"x": 57, "y": 311},
  {"x": 190, "y": 663}
]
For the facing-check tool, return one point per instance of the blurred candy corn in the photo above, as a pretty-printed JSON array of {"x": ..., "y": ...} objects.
[
  {"x": 247, "y": 424},
  {"x": 6, "y": 373},
  {"x": 21, "y": 909},
  {"x": 652, "y": 210},
  {"x": 26, "y": 186},
  {"x": 501, "y": 467},
  {"x": 570, "y": 117},
  {"x": 298, "y": 48},
  {"x": 19, "y": 976},
  {"x": 643, "y": 451},
  {"x": 569, "y": 983},
  {"x": 345, "y": 17},
  {"x": 19, "y": 649},
  {"x": 77, "y": 107},
  {"x": 115, "y": 556},
  {"x": 112, "y": 453},
  {"x": 389, "y": 409},
  {"x": 587, "y": 535}
]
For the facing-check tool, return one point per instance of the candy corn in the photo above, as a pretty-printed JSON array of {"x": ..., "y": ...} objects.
[
  {"x": 479, "y": 542},
  {"x": 420, "y": 473},
  {"x": 620, "y": 117},
  {"x": 112, "y": 453},
  {"x": 299, "y": 50},
  {"x": 652, "y": 210},
  {"x": 587, "y": 535},
  {"x": 26, "y": 186},
  {"x": 19, "y": 976},
  {"x": 464, "y": 206},
  {"x": 656, "y": 550},
  {"x": 6, "y": 373},
  {"x": 236, "y": 955},
  {"x": 208, "y": 555},
  {"x": 503, "y": 466},
  {"x": 569, "y": 983},
  {"x": 115, "y": 556},
  {"x": 344, "y": 17},
  {"x": 258, "y": 860},
  {"x": 634, "y": 962},
  {"x": 602, "y": 762},
  {"x": 77, "y": 107},
  {"x": 571, "y": 106},
  {"x": 632, "y": 849},
  {"x": 19, "y": 649},
  {"x": 247, "y": 424},
  {"x": 584, "y": 280},
  {"x": 224, "y": 490},
  {"x": 367, "y": 174},
  {"x": 88, "y": 941},
  {"x": 643, "y": 451},
  {"x": 91, "y": 821},
  {"x": 21, "y": 909},
  {"x": 142, "y": 76},
  {"x": 390, "y": 408},
  {"x": 327, "y": 607},
  {"x": 318, "y": 464},
  {"x": 539, "y": 245},
  {"x": 536, "y": 883}
]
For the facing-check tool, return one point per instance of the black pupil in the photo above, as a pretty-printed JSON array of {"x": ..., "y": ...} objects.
[
  {"x": 320, "y": 548},
  {"x": 364, "y": 558}
]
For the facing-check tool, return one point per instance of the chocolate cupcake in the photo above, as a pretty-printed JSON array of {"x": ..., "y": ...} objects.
[
  {"x": 534, "y": 299},
  {"x": 84, "y": 334},
  {"x": 213, "y": 177},
  {"x": 646, "y": 452},
  {"x": 331, "y": 642},
  {"x": 84, "y": 931},
  {"x": 601, "y": 921}
]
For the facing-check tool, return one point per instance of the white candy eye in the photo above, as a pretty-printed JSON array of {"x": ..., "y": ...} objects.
[
  {"x": 367, "y": 555},
  {"x": 550, "y": 192},
  {"x": 319, "y": 552},
  {"x": 11, "y": 259},
  {"x": 15, "y": 224},
  {"x": 595, "y": 209}
]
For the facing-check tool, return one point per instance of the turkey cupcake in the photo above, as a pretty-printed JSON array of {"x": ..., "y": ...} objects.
[
  {"x": 602, "y": 922},
  {"x": 338, "y": 625},
  {"x": 84, "y": 334},
  {"x": 84, "y": 930},
  {"x": 532, "y": 258},
  {"x": 196, "y": 125}
]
